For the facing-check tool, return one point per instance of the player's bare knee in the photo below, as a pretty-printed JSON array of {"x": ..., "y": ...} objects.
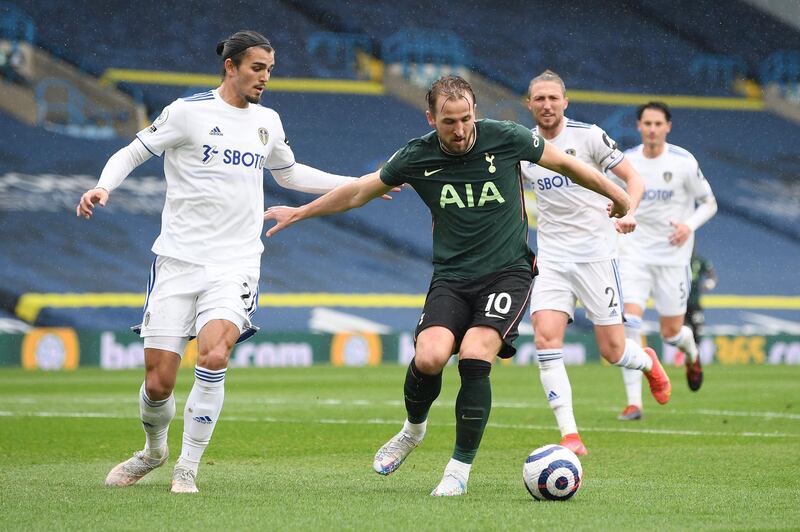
[
  {"x": 547, "y": 336},
  {"x": 612, "y": 348},
  {"x": 476, "y": 351},
  {"x": 430, "y": 361},
  {"x": 157, "y": 386},
  {"x": 543, "y": 340},
  {"x": 433, "y": 350},
  {"x": 215, "y": 360},
  {"x": 215, "y": 357},
  {"x": 670, "y": 331},
  {"x": 612, "y": 355},
  {"x": 428, "y": 366}
]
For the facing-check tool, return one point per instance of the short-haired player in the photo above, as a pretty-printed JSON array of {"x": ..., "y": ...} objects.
[
  {"x": 655, "y": 260},
  {"x": 577, "y": 248}
]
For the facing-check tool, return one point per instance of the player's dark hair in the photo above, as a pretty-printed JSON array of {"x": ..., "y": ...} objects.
[
  {"x": 548, "y": 75},
  {"x": 451, "y": 87},
  {"x": 658, "y": 106},
  {"x": 235, "y": 47}
]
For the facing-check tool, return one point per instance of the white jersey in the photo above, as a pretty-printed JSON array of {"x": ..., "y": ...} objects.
[
  {"x": 573, "y": 223},
  {"x": 673, "y": 182},
  {"x": 215, "y": 155}
]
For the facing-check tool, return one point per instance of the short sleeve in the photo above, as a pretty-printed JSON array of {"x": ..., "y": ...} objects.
[
  {"x": 281, "y": 156},
  {"x": 167, "y": 131},
  {"x": 604, "y": 150},
  {"x": 696, "y": 182},
  {"x": 392, "y": 173},
  {"x": 528, "y": 144}
]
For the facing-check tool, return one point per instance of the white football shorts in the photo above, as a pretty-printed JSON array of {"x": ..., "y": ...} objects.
[
  {"x": 560, "y": 285},
  {"x": 668, "y": 286},
  {"x": 182, "y": 297}
]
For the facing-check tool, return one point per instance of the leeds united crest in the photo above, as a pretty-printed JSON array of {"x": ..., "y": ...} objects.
[
  {"x": 667, "y": 176},
  {"x": 263, "y": 135}
]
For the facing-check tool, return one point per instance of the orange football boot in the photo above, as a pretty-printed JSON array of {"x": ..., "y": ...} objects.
[
  {"x": 573, "y": 443},
  {"x": 660, "y": 386}
]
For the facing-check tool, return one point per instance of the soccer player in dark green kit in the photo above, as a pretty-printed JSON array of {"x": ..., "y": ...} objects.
[{"x": 467, "y": 172}]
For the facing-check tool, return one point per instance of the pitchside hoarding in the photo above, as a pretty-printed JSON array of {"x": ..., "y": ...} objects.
[{"x": 68, "y": 349}]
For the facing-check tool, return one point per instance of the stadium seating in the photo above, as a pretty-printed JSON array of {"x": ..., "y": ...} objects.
[
  {"x": 163, "y": 38},
  {"x": 15, "y": 23},
  {"x": 613, "y": 46},
  {"x": 385, "y": 247},
  {"x": 748, "y": 45},
  {"x": 616, "y": 46}
]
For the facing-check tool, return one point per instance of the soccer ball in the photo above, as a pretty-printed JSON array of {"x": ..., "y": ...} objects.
[{"x": 552, "y": 473}]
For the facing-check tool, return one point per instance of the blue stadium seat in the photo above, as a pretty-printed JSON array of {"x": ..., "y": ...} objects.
[{"x": 749, "y": 157}]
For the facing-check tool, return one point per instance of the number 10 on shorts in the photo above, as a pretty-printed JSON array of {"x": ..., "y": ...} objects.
[{"x": 498, "y": 305}]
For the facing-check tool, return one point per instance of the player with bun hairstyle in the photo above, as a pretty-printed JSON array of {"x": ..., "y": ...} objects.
[{"x": 204, "y": 279}]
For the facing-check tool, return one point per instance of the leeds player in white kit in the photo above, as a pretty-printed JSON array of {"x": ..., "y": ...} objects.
[
  {"x": 577, "y": 255},
  {"x": 204, "y": 280},
  {"x": 655, "y": 260}
]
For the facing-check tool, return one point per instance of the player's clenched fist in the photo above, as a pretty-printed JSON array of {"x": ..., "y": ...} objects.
[
  {"x": 626, "y": 224},
  {"x": 89, "y": 199}
]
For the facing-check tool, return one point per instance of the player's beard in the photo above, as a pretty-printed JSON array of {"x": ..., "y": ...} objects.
[
  {"x": 454, "y": 149},
  {"x": 554, "y": 126},
  {"x": 253, "y": 99}
]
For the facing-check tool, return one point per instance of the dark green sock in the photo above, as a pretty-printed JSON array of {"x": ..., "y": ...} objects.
[
  {"x": 420, "y": 391},
  {"x": 473, "y": 405}
]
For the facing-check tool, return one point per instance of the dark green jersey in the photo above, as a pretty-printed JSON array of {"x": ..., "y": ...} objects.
[{"x": 479, "y": 222}]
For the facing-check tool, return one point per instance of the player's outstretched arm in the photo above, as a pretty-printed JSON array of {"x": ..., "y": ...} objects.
[
  {"x": 586, "y": 176},
  {"x": 343, "y": 198},
  {"x": 308, "y": 179}
]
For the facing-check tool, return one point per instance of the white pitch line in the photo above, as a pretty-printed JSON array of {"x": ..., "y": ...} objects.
[
  {"x": 737, "y": 413},
  {"x": 722, "y": 413},
  {"x": 522, "y": 405},
  {"x": 326, "y": 421},
  {"x": 100, "y": 415}
]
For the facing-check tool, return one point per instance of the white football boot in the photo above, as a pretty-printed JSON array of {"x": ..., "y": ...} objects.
[
  {"x": 133, "y": 469},
  {"x": 452, "y": 485},
  {"x": 183, "y": 480},
  {"x": 394, "y": 452}
]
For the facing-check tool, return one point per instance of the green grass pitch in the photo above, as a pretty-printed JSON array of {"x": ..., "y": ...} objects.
[{"x": 293, "y": 451}]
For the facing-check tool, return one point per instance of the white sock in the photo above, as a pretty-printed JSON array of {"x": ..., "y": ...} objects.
[
  {"x": 201, "y": 414},
  {"x": 634, "y": 357},
  {"x": 415, "y": 430},
  {"x": 557, "y": 388},
  {"x": 459, "y": 468},
  {"x": 156, "y": 417},
  {"x": 633, "y": 377},
  {"x": 633, "y": 386},
  {"x": 685, "y": 342}
]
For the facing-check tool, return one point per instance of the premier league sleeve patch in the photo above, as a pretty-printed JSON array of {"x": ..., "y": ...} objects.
[
  {"x": 159, "y": 121},
  {"x": 161, "y": 118}
]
